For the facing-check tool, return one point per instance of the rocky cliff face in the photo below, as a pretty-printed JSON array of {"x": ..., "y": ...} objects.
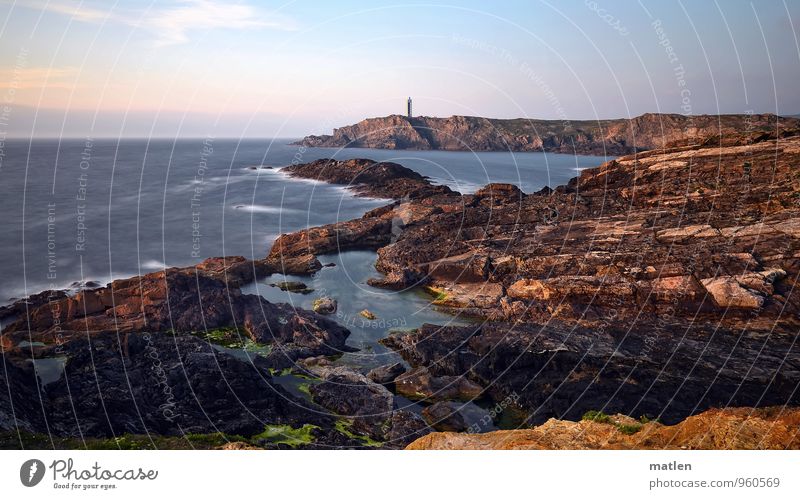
[{"x": 612, "y": 137}]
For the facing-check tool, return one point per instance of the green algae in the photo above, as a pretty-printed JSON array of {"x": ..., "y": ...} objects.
[
  {"x": 345, "y": 427},
  {"x": 286, "y": 435}
]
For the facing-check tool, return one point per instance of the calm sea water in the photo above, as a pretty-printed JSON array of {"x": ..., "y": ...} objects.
[{"x": 78, "y": 210}]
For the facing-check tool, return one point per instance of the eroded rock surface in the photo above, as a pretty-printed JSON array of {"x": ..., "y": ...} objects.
[
  {"x": 140, "y": 382},
  {"x": 770, "y": 428},
  {"x": 656, "y": 284},
  {"x": 667, "y": 371},
  {"x": 708, "y": 231}
]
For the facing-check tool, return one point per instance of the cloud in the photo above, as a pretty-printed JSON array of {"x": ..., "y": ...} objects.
[
  {"x": 76, "y": 11},
  {"x": 37, "y": 77},
  {"x": 172, "y": 25}
]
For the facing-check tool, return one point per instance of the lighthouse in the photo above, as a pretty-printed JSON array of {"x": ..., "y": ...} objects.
[{"x": 408, "y": 105}]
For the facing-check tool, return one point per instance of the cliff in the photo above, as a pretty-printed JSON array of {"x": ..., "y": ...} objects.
[{"x": 613, "y": 137}]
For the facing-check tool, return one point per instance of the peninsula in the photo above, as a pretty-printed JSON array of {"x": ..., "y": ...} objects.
[{"x": 601, "y": 137}]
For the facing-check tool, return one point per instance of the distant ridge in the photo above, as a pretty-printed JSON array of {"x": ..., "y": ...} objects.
[{"x": 613, "y": 137}]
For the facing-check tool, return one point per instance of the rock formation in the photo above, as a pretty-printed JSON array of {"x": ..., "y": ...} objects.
[
  {"x": 658, "y": 284},
  {"x": 751, "y": 429},
  {"x": 472, "y": 133}
]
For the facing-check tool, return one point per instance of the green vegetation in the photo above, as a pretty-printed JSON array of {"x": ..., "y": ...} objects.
[
  {"x": 233, "y": 338},
  {"x": 629, "y": 429},
  {"x": 345, "y": 427},
  {"x": 597, "y": 417},
  {"x": 286, "y": 435},
  {"x": 439, "y": 296},
  {"x": 626, "y": 428},
  {"x": 283, "y": 372}
]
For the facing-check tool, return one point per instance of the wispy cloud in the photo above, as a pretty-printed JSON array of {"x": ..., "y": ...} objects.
[
  {"x": 78, "y": 11},
  {"x": 173, "y": 25},
  {"x": 37, "y": 77}
]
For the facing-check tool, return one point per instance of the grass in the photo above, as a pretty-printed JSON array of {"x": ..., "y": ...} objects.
[
  {"x": 629, "y": 429},
  {"x": 625, "y": 428},
  {"x": 597, "y": 417},
  {"x": 644, "y": 420}
]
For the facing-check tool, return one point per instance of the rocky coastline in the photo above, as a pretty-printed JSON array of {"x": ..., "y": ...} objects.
[
  {"x": 657, "y": 285},
  {"x": 599, "y": 137}
]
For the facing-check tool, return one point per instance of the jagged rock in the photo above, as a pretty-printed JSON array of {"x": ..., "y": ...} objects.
[
  {"x": 351, "y": 394},
  {"x": 723, "y": 429},
  {"x": 419, "y": 383},
  {"x": 370, "y": 178},
  {"x": 665, "y": 370},
  {"x": 294, "y": 264},
  {"x": 292, "y": 287},
  {"x": 727, "y": 292},
  {"x": 386, "y": 374},
  {"x": 406, "y": 427},
  {"x": 183, "y": 300},
  {"x": 32, "y": 302},
  {"x": 153, "y": 383},
  {"x": 596, "y": 248},
  {"x": 444, "y": 416},
  {"x": 481, "y": 295}
]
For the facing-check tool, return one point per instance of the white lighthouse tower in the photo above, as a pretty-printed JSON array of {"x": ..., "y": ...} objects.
[{"x": 408, "y": 110}]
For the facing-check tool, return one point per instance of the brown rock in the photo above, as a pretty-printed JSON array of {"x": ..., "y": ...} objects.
[
  {"x": 727, "y": 292},
  {"x": 419, "y": 383},
  {"x": 735, "y": 428}
]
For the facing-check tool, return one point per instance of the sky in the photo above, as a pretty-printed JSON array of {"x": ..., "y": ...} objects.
[{"x": 227, "y": 68}]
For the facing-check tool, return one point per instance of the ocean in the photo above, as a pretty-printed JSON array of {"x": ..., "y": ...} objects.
[{"x": 99, "y": 210}]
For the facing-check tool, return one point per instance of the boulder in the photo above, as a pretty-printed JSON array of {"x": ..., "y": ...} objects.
[
  {"x": 445, "y": 416},
  {"x": 386, "y": 374},
  {"x": 728, "y": 293},
  {"x": 347, "y": 393},
  {"x": 292, "y": 287},
  {"x": 325, "y": 305},
  {"x": 420, "y": 384},
  {"x": 367, "y": 315}
]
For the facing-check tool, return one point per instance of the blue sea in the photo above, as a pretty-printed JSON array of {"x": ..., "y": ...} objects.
[{"x": 98, "y": 210}]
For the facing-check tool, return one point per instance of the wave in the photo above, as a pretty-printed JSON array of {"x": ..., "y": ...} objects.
[
  {"x": 153, "y": 265},
  {"x": 260, "y": 208}
]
